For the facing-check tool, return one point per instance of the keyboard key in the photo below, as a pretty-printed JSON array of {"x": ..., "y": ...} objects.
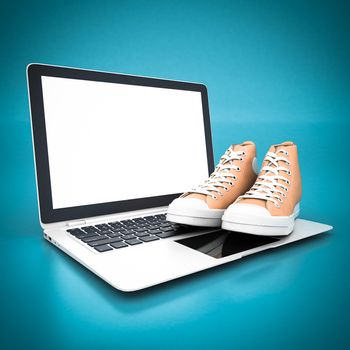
[
  {"x": 102, "y": 227},
  {"x": 141, "y": 234},
  {"x": 165, "y": 229},
  {"x": 149, "y": 238},
  {"x": 154, "y": 231},
  {"x": 90, "y": 229},
  {"x": 139, "y": 220},
  {"x": 120, "y": 231},
  {"x": 117, "y": 239},
  {"x": 131, "y": 228},
  {"x": 85, "y": 234},
  {"x": 153, "y": 226},
  {"x": 129, "y": 237},
  {"x": 161, "y": 216},
  {"x": 117, "y": 229},
  {"x": 133, "y": 241},
  {"x": 167, "y": 234},
  {"x": 128, "y": 232},
  {"x": 113, "y": 234},
  {"x": 127, "y": 222},
  {"x": 118, "y": 245},
  {"x": 103, "y": 248},
  {"x": 104, "y": 241},
  {"x": 103, "y": 233},
  {"x": 165, "y": 224},
  {"x": 143, "y": 229},
  {"x": 76, "y": 231},
  {"x": 115, "y": 225},
  {"x": 93, "y": 238}
]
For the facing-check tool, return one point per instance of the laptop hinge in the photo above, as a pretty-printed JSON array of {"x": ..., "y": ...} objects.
[{"x": 76, "y": 223}]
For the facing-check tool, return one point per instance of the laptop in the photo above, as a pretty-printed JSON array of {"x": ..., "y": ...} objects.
[{"x": 111, "y": 153}]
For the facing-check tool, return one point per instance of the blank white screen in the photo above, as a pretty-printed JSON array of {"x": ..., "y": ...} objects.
[{"x": 110, "y": 142}]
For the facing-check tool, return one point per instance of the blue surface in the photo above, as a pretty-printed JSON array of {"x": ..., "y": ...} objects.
[{"x": 275, "y": 71}]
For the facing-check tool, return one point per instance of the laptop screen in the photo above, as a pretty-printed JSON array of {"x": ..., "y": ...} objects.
[{"x": 109, "y": 142}]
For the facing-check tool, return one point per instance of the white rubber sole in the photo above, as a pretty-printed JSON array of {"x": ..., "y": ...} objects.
[
  {"x": 194, "y": 221},
  {"x": 195, "y": 212},
  {"x": 260, "y": 225}
]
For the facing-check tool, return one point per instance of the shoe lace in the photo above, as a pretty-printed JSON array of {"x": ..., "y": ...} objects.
[
  {"x": 267, "y": 186},
  {"x": 222, "y": 176}
]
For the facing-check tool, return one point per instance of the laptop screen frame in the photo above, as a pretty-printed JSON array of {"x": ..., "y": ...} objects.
[{"x": 47, "y": 213}]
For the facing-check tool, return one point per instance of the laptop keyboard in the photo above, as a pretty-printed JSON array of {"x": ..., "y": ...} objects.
[{"x": 125, "y": 233}]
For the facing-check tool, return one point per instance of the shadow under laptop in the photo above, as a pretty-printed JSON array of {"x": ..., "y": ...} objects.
[{"x": 237, "y": 280}]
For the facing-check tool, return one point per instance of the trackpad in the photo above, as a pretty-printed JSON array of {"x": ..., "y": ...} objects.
[{"x": 220, "y": 244}]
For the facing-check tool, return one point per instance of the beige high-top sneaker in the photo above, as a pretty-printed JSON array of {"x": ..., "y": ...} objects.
[
  {"x": 232, "y": 177},
  {"x": 271, "y": 206}
]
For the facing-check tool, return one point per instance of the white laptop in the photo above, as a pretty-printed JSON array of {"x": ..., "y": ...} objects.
[{"x": 111, "y": 152}]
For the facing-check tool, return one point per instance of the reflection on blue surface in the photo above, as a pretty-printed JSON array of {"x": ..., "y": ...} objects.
[
  {"x": 275, "y": 71},
  {"x": 71, "y": 301}
]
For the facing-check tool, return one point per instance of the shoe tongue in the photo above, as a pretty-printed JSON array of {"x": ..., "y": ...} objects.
[
  {"x": 275, "y": 148},
  {"x": 237, "y": 148},
  {"x": 240, "y": 147}
]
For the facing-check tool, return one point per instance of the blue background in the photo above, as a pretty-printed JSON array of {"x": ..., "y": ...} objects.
[{"x": 276, "y": 71}]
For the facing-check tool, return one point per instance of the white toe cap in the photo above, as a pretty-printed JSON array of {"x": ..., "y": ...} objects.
[
  {"x": 188, "y": 203},
  {"x": 244, "y": 210},
  {"x": 193, "y": 207}
]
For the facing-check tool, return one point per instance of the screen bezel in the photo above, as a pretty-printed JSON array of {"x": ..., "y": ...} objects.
[{"x": 47, "y": 213}]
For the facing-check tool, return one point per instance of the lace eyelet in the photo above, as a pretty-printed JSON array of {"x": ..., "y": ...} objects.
[
  {"x": 231, "y": 183},
  {"x": 289, "y": 173},
  {"x": 226, "y": 189},
  {"x": 277, "y": 206},
  {"x": 238, "y": 168},
  {"x": 286, "y": 189},
  {"x": 284, "y": 195},
  {"x": 241, "y": 159},
  {"x": 280, "y": 200},
  {"x": 214, "y": 197}
]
